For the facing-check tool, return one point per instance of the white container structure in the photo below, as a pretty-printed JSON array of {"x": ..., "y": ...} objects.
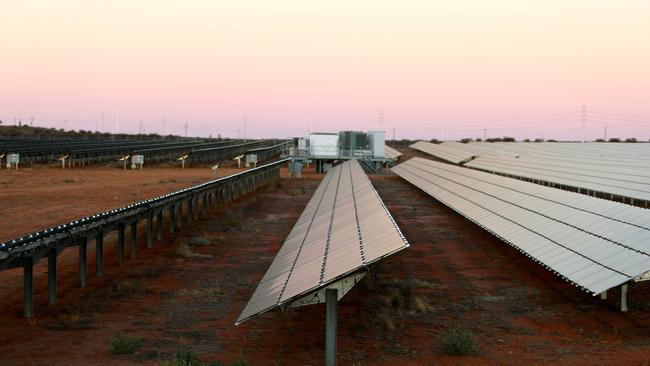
[
  {"x": 251, "y": 159},
  {"x": 13, "y": 160},
  {"x": 137, "y": 161},
  {"x": 377, "y": 143},
  {"x": 325, "y": 145}
]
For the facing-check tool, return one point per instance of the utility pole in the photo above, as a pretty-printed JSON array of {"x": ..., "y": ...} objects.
[
  {"x": 584, "y": 119},
  {"x": 605, "y": 133},
  {"x": 245, "y": 123},
  {"x": 163, "y": 125},
  {"x": 101, "y": 120},
  {"x": 140, "y": 128},
  {"x": 393, "y": 135},
  {"x": 185, "y": 129},
  {"x": 117, "y": 123},
  {"x": 484, "y": 134}
]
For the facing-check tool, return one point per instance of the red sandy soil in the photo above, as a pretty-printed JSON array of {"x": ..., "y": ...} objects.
[
  {"x": 36, "y": 198},
  {"x": 454, "y": 275}
]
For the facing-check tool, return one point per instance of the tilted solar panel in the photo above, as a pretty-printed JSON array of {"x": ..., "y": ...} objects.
[
  {"x": 344, "y": 228},
  {"x": 593, "y": 243}
]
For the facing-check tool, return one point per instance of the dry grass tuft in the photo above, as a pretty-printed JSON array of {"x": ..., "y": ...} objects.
[{"x": 185, "y": 250}]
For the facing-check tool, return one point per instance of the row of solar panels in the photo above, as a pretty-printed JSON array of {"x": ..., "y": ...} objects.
[
  {"x": 344, "y": 228},
  {"x": 595, "y": 244},
  {"x": 18, "y": 247},
  {"x": 197, "y": 151},
  {"x": 572, "y": 166}
]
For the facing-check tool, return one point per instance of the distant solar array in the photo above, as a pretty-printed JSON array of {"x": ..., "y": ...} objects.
[
  {"x": 607, "y": 170},
  {"x": 87, "y": 152},
  {"x": 453, "y": 156},
  {"x": 595, "y": 244},
  {"x": 344, "y": 229}
]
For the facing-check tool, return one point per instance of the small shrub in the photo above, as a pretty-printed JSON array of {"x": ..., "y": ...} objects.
[
  {"x": 457, "y": 342},
  {"x": 184, "y": 357},
  {"x": 124, "y": 344},
  {"x": 185, "y": 250},
  {"x": 240, "y": 362},
  {"x": 197, "y": 240}
]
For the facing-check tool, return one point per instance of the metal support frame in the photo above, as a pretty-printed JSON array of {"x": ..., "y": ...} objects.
[
  {"x": 99, "y": 254},
  {"x": 94, "y": 229},
  {"x": 330, "y": 326},
  {"x": 51, "y": 276},
  {"x": 624, "y": 289},
  {"x": 134, "y": 239}
]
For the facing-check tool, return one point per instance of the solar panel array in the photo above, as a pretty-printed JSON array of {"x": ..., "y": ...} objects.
[
  {"x": 344, "y": 228},
  {"x": 616, "y": 180},
  {"x": 391, "y": 153},
  {"x": 441, "y": 151},
  {"x": 595, "y": 244},
  {"x": 611, "y": 169}
]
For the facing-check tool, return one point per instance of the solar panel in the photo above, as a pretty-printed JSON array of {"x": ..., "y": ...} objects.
[
  {"x": 443, "y": 152},
  {"x": 606, "y": 178},
  {"x": 391, "y": 153},
  {"x": 595, "y": 244},
  {"x": 344, "y": 228}
]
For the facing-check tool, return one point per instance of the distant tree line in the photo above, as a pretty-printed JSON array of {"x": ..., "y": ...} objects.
[
  {"x": 404, "y": 143},
  {"x": 44, "y": 133}
]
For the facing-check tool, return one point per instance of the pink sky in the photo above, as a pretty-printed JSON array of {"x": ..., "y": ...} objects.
[{"x": 435, "y": 68}]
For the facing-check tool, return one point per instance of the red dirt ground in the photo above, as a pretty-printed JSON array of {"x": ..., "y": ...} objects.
[{"x": 453, "y": 275}]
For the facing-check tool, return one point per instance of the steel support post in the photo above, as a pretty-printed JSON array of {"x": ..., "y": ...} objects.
[
  {"x": 120, "y": 243},
  {"x": 190, "y": 210},
  {"x": 624, "y": 289},
  {"x": 28, "y": 291},
  {"x": 159, "y": 221},
  {"x": 99, "y": 254},
  {"x": 197, "y": 210},
  {"x": 331, "y": 297},
  {"x": 83, "y": 273},
  {"x": 134, "y": 239},
  {"x": 150, "y": 229},
  {"x": 603, "y": 295},
  {"x": 172, "y": 218},
  {"x": 179, "y": 214},
  {"x": 51, "y": 276}
]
